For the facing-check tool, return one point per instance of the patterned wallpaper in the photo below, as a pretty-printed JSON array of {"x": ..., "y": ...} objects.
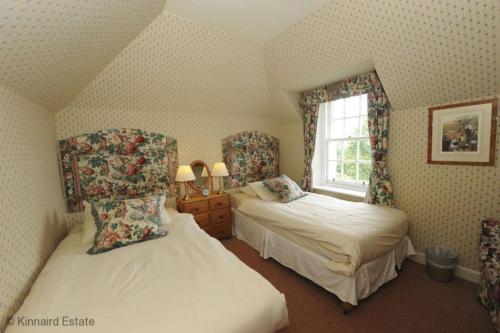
[
  {"x": 186, "y": 86},
  {"x": 425, "y": 51},
  {"x": 50, "y": 50},
  {"x": 31, "y": 205},
  {"x": 176, "y": 65},
  {"x": 445, "y": 202}
]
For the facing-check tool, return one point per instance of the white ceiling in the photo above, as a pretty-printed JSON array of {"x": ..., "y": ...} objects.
[{"x": 256, "y": 20}]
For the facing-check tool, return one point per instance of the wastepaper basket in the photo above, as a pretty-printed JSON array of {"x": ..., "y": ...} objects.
[{"x": 440, "y": 263}]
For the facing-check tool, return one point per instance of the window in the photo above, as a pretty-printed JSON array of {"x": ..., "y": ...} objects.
[{"x": 343, "y": 154}]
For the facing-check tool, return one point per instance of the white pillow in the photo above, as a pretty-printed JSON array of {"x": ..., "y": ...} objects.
[
  {"x": 89, "y": 228},
  {"x": 248, "y": 191},
  {"x": 263, "y": 192}
]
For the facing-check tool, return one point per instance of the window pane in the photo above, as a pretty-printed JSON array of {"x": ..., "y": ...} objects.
[
  {"x": 364, "y": 126},
  {"x": 352, "y": 127},
  {"x": 365, "y": 151},
  {"x": 334, "y": 150},
  {"x": 349, "y": 171},
  {"x": 337, "y": 129},
  {"x": 350, "y": 150},
  {"x": 364, "y": 172},
  {"x": 364, "y": 104},
  {"x": 352, "y": 106},
  {"x": 337, "y": 108},
  {"x": 333, "y": 171}
]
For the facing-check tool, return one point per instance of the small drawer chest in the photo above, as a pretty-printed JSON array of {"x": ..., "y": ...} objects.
[{"x": 212, "y": 213}]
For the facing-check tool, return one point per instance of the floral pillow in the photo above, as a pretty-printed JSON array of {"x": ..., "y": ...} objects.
[
  {"x": 284, "y": 188},
  {"x": 125, "y": 222}
]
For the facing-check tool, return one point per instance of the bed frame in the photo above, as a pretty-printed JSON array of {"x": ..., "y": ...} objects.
[{"x": 253, "y": 156}]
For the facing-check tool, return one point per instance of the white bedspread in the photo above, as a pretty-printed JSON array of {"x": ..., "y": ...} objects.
[
  {"x": 184, "y": 282},
  {"x": 349, "y": 234}
]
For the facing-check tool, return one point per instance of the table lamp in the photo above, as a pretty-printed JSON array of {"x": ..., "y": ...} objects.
[
  {"x": 220, "y": 170},
  {"x": 185, "y": 174}
]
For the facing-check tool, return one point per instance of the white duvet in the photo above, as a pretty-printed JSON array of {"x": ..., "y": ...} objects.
[
  {"x": 184, "y": 282},
  {"x": 348, "y": 233}
]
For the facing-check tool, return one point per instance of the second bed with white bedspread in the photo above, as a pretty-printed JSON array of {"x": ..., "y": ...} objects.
[{"x": 286, "y": 232}]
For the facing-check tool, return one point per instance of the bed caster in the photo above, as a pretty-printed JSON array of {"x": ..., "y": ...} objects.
[{"x": 347, "y": 308}]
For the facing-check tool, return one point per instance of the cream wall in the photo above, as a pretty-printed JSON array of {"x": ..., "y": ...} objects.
[
  {"x": 179, "y": 66},
  {"x": 445, "y": 202},
  {"x": 31, "y": 202},
  {"x": 292, "y": 150}
]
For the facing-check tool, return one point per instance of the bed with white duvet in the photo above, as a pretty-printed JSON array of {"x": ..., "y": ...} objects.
[
  {"x": 184, "y": 282},
  {"x": 348, "y": 248}
]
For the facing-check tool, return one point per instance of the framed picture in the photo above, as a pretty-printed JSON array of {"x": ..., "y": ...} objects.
[{"x": 463, "y": 134}]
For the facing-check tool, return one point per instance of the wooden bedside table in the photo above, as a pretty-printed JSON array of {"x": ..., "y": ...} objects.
[{"x": 212, "y": 213}]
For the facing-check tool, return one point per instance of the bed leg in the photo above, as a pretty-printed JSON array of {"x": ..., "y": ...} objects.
[
  {"x": 347, "y": 308},
  {"x": 399, "y": 269}
]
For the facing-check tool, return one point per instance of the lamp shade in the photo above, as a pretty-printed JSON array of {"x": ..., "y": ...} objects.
[
  {"x": 184, "y": 174},
  {"x": 219, "y": 170},
  {"x": 204, "y": 173}
]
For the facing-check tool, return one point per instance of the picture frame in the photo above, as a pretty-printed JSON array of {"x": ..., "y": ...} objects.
[{"x": 463, "y": 134}]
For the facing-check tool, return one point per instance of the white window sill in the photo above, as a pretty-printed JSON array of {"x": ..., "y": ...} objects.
[{"x": 345, "y": 192}]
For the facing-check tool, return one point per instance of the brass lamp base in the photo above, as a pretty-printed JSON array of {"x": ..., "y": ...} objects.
[{"x": 221, "y": 186}]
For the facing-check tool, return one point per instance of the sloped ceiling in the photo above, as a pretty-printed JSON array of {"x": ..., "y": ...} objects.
[
  {"x": 177, "y": 65},
  {"x": 50, "y": 50},
  {"x": 425, "y": 52}
]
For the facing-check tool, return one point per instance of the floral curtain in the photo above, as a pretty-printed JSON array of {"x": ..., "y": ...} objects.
[
  {"x": 379, "y": 188},
  {"x": 309, "y": 103}
]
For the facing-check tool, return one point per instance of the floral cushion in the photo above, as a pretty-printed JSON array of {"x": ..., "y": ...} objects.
[
  {"x": 125, "y": 222},
  {"x": 284, "y": 188}
]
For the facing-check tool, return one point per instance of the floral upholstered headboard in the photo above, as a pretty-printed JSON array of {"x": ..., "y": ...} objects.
[
  {"x": 117, "y": 163},
  {"x": 250, "y": 156}
]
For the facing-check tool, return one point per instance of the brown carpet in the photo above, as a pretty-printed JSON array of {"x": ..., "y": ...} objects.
[{"x": 413, "y": 302}]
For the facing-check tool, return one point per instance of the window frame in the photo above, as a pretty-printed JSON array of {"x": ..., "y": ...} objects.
[{"x": 323, "y": 141}]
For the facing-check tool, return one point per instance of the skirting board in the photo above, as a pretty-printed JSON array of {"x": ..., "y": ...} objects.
[{"x": 460, "y": 271}]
